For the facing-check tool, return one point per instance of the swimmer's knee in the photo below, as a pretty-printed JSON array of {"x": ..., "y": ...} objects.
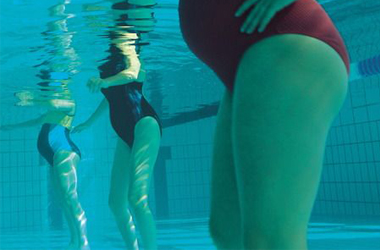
[
  {"x": 270, "y": 237},
  {"x": 138, "y": 202},
  {"x": 118, "y": 207},
  {"x": 216, "y": 232},
  {"x": 224, "y": 236},
  {"x": 112, "y": 204},
  {"x": 69, "y": 194}
]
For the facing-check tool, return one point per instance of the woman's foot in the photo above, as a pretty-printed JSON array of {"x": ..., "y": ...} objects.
[
  {"x": 72, "y": 246},
  {"x": 84, "y": 247}
]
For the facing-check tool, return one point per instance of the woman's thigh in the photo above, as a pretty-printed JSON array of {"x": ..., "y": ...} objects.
[
  {"x": 120, "y": 174},
  {"x": 288, "y": 90},
  {"x": 225, "y": 210},
  {"x": 143, "y": 156}
]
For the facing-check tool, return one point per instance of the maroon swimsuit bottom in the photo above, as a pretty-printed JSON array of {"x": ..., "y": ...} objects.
[{"x": 212, "y": 31}]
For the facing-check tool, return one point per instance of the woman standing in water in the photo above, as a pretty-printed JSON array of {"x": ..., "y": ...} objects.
[
  {"x": 63, "y": 156},
  {"x": 54, "y": 142},
  {"x": 285, "y": 68},
  {"x": 133, "y": 119}
]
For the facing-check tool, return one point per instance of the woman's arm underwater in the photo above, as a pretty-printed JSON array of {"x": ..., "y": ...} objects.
[
  {"x": 30, "y": 123},
  {"x": 91, "y": 120}
]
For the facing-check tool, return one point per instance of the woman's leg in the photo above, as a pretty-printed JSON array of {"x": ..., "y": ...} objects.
[
  {"x": 287, "y": 92},
  {"x": 143, "y": 157},
  {"x": 225, "y": 221},
  {"x": 70, "y": 222},
  {"x": 118, "y": 198},
  {"x": 65, "y": 178}
]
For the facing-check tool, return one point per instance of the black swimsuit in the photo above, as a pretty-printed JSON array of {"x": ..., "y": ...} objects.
[
  {"x": 127, "y": 107},
  {"x": 127, "y": 103}
]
